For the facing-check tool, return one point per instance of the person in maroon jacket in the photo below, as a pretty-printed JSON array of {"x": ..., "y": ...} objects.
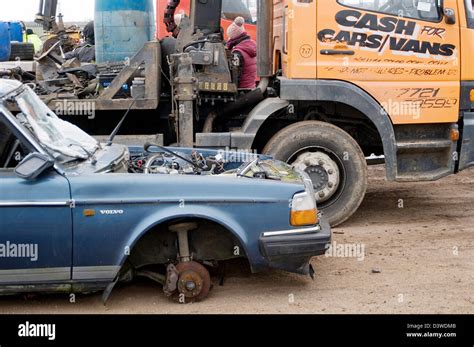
[{"x": 245, "y": 50}]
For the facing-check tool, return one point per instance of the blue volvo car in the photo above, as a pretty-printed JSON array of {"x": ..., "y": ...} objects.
[{"x": 80, "y": 216}]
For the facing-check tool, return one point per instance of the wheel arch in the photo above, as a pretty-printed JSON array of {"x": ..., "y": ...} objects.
[
  {"x": 347, "y": 94},
  {"x": 155, "y": 221}
]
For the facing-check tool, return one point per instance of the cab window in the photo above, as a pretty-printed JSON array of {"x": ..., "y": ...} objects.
[
  {"x": 470, "y": 13},
  {"x": 428, "y": 10}
]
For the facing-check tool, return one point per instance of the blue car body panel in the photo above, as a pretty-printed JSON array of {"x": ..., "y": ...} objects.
[
  {"x": 38, "y": 213},
  {"x": 127, "y": 206}
]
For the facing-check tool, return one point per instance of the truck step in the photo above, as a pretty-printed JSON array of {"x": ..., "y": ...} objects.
[
  {"x": 423, "y": 176},
  {"x": 424, "y": 144}
]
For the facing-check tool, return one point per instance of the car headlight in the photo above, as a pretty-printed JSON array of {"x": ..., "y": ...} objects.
[{"x": 303, "y": 210}]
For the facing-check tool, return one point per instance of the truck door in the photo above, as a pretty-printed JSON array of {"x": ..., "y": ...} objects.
[
  {"x": 402, "y": 52},
  {"x": 298, "y": 38},
  {"x": 467, "y": 84}
]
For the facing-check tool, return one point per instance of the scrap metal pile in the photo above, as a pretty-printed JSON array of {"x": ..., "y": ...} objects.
[
  {"x": 113, "y": 86},
  {"x": 58, "y": 78}
]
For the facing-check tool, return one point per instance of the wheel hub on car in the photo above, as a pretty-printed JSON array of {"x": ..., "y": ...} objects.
[
  {"x": 194, "y": 282},
  {"x": 190, "y": 284}
]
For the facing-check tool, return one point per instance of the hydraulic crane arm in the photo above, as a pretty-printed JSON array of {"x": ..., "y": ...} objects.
[
  {"x": 169, "y": 21},
  {"x": 205, "y": 16},
  {"x": 47, "y": 13}
]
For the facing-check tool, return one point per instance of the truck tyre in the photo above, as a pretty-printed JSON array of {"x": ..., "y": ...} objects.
[
  {"x": 22, "y": 51},
  {"x": 333, "y": 160}
]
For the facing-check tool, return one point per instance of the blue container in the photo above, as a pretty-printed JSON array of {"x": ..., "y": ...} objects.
[
  {"x": 5, "y": 41},
  {"x": 16, "y": 31},
  {"x": 122, "y": 27}
]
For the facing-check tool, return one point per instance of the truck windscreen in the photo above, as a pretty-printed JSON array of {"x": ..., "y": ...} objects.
[{"x": 470, "y": 13}]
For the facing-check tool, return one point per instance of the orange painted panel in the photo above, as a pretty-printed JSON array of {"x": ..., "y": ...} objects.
[
  {"x": 397, "y": 60},
  {"x": 299, "y": 40}
]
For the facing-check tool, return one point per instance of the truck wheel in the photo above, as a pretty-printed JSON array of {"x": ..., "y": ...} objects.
[{"x": 333, "y": 160}]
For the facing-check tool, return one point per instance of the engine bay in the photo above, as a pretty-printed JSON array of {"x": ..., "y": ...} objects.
[
  {"x": 158, "y": 160},
  {"x": 167, "y": 162}
]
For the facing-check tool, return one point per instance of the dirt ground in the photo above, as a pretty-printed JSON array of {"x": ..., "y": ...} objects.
[{"x": 419, "y": 258}]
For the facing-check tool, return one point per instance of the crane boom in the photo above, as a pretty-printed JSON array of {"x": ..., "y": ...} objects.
[
  {"x": 205, "y": 16},
  {"x": 47, "y": 14}
]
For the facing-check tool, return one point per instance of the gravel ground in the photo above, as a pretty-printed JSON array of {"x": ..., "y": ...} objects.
[{"x": 418, "y": 257}]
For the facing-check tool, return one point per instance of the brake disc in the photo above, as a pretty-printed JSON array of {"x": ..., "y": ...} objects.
[{"x": 194, "y": 282}]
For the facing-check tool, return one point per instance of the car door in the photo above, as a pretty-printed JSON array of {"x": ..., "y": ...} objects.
[
  {"x": 35, "y": 227},
  {"x": 402, "y": 52}
]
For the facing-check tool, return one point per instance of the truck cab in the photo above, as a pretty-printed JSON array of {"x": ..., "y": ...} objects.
[
  {"x": 390, "y": 79},
  {"x": 385, "y": 78}
]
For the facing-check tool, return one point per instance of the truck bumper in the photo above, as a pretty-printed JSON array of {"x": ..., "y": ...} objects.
[{"x": 291, "y": 250}]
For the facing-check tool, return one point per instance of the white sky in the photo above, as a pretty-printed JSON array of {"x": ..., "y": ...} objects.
[{"x": 25, "y": 10}]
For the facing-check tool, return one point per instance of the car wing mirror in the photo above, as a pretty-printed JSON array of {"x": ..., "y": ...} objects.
[{"x": 33, "y": 166}]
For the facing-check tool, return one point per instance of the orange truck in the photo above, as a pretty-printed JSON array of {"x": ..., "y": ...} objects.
[
  {"x": 347, "y": 79},
  {"x": 391, "y": 78}
]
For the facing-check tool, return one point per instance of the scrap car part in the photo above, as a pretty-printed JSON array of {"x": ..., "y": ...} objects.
[
  {"x": 194, "y": 283},
  {"x": 166, "y": 161},
  {"x": 171, "y": 282},
  {"x": 156, "y": 277},
  {"x": 182, "y": 230}
]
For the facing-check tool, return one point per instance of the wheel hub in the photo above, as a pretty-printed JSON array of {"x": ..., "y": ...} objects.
[
  {"x": 323, "y": 171},
  {"x": 194, "y": 282},
  {"x": 319, "y": 177},
  {"x": 190, "y": 284}
]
